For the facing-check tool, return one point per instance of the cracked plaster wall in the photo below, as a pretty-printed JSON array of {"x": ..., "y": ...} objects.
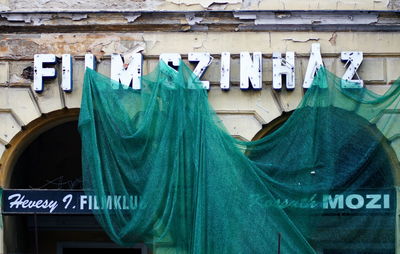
[
  {"x": 181, "y": 5},
  {"x": 381, "y": 65},
  {"x": 154, "y": 43}
]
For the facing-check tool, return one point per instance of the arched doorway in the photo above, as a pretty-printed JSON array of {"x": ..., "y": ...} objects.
[
  {"x": 346, "y": 231},
  {"x": 47, "y": 156}
]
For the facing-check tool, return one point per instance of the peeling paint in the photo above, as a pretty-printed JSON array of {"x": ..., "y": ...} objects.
[
  {"x": 185, "y": 28},
  {"x": 19, "y": 47},
  {"x": 130, "y": 52},
  {"x": 249, "y": 3},
  {"x": 296, "y": 18},
  {"x": 132, "y": 17},
  {"x": 332, "y": 40},
  {"x": 153, "y": 5},
  {"x": 74, "y": 17},
  {"x": 394, "y": 4},
  {"x": 203, "y": 3},
  {"x": 74, "y": 44},
  {"x": 41, "y": 18},
  {"x": 18, "y": 79},
  {"x": 217, "y": 6},
  {"x": 27, "y": 18},
  {"x": 192, "y": 20},
  {"x": 64, "y": 5},
  {"x": 301, "y": 40}
]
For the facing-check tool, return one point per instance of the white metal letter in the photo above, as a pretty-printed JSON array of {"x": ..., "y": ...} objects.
[
  {"x": 225, "y": 70},
  {"x": 83, "y": 202},
  {"x": 40, "y": 72},
  {"x": 126, "y": 75},
  {"x": 171, "y": 59},
  {"x": 353, "y": 60},
  {"x": 66, "y": 73},
  {"x": 337, "y": 201},
  {"x": 250, "y": 69},
  {"x": 204, "y": 60},
  {"x": 90, "y": 61},
  {"x": 386, "y": 201},
  {"x": 372, "y": 204},
  {"x": 351, "y": 205},
  {"x": 314, "y": 64},
  {"x": 283, "y": 66}
]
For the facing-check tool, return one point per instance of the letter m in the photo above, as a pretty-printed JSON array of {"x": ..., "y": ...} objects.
[
  {"x": 333, "y": 203},
  {"x": 129, "y": 74}
]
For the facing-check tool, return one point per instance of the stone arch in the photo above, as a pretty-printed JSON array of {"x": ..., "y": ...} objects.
[{"x": 27, "y": 135}]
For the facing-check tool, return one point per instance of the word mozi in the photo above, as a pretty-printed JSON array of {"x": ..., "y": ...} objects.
[{"x": 128, "y": 74}]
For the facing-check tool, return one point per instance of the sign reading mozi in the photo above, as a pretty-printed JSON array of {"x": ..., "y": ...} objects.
[{"x": 128, "y": 74}]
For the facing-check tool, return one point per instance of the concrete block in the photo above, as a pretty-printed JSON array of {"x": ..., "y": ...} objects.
[
  {"x": 371, "y": 70},
  {"x": 388, "y": 124},
  {"x": 267, "y": 70},
  {"x": 2, "y": 149},
  {"x": 289, "y": 100},
  {"x": 213, "y": 72},
  {"x": 301, "y": 68},
  {"x": 393, "y": 69},
  {"x": 73, "y": 99},
  {"x": 50, "y": 99},
  {"x": 243, "y": 126},
  {"x": 261, "y": 102},
  {"x": 9, "y": 126},
  {"x": 4, "y": 73},
  {"x": 235, "y": 70},
  {"x": 104, "y": 67},
  {"x": 378, "y": 89},
  {"x": 21, "y": 101},
  {"x": 16, "y": 71}
]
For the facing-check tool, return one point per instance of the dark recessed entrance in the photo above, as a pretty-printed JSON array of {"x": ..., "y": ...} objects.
[
  {"x": 100, "y": 251},
  {"x": 53, "y": 161}
]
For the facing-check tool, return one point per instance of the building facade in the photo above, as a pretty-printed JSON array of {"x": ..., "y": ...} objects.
[{"x": 236, "y": 41}]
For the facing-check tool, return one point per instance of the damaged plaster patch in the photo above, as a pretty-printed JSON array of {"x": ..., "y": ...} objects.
[
  {"x": 248, "y": 3},
  {"x": 27, "y": 18},
  {"x": 19, "y": 48},
  {"x": 39, "y": 19},
  {"x": 131, "y": 17},
  {"x": 192, "y": 20},
  {"x": 17, "y": 79},
  {"x": 199, "y": 43},
  {"x": 332, "y": 40},
  {"x": 298, "y": 18},
  {"x": 150, "y": 41},
  {"x": 77, "y": 17},
  {"x": 128, "y": 54},
  {"x": 204, "y": 3},
  {"x": 301, "y": 40},
  {"x": 83, "y": 5},
  {"x": 217, "y": 6},
  {"x": 74, "y": 17},
  {"x": 394, "y": 4}
]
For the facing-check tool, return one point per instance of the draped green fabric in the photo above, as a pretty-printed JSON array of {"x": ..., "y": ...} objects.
[{"x": 323, "y": 182}]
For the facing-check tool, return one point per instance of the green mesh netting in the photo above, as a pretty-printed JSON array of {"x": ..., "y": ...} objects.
[{"x": 324, "y": 182}]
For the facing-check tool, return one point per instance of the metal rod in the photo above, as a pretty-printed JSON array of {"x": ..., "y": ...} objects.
[
  {"x": 279, "y": 243},
  {"x": 36, "y": 234}
]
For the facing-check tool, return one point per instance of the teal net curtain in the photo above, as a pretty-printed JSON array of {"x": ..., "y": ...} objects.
[{"x": 324, "y": 182}]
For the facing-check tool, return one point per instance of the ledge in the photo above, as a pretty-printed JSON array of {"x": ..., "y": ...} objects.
[{"x": 203, "y": 21}]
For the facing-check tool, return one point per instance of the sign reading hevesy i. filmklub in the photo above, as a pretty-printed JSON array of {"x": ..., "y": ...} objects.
[
  {"x": 78, "y": 202},
  {"x": 63, "y": 202}
]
